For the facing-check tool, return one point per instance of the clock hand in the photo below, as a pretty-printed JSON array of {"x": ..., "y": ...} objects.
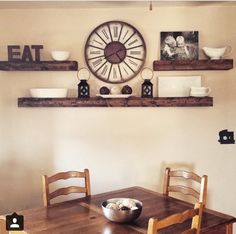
[
  {"x": 115, "y": 53},
  {"x": 119, "y": 57},
  {"x": 110, "y": 55},
  {"x": 120, "y": 50}
]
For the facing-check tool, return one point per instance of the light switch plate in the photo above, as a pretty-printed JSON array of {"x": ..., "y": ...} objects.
[{"x": 177, "y": 86}]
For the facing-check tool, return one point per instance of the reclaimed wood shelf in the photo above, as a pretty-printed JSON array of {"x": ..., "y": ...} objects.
[
  {"x": 115, "y": 102},
  {"x": 219, "y": 64},
  {"x": 39, "y": 66}
]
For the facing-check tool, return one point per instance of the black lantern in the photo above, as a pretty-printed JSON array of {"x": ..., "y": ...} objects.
[
  {"x": 83, "y": 87},
  {"x": 147, "y": 86}
]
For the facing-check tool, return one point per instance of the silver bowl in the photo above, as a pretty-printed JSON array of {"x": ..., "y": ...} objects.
[{"x": 121, "y": 216}]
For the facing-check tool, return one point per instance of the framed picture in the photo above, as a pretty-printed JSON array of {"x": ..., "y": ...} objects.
[{"x": 179, "y": 45}]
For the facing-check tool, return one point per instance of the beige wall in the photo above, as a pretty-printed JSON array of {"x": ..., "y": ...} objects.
[{"x": 121, "y": 146}]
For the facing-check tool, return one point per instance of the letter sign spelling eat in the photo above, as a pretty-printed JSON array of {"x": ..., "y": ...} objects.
[{"x": 14, "y": 54}]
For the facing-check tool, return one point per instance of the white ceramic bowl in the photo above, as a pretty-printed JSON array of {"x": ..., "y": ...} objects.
[
  {"x": 215, "y": 53},
  {"x": 115, "y": 90},
  {"x": 48, "y": 92},
  {"x": 60, "y": 55}
]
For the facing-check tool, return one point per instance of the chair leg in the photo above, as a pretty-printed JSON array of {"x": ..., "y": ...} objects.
[{"x": 229, "y": 228}]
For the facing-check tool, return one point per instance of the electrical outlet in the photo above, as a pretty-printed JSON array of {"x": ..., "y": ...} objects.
[{"x": 226, "y": 137}]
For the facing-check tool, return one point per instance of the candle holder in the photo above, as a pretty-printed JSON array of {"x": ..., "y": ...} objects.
[
  {"x": 83, "y": 87},
  {"x": 147, "y": 86}
]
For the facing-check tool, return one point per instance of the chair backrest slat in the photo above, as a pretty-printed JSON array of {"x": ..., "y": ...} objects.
[
  {"x": 65, "y": 176},
  {"x": 66, "y": 191},
  {"x": 186, "y": 175},
  {"x": 177, "y": 218},
  {"x": 185, "y": 190}
]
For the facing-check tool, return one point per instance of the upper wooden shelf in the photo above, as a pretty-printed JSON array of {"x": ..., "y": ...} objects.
[
  {"x": 116, "y": 102},
  {"x": 221, "y": 64},
  {"x": 39, "y": 66}
]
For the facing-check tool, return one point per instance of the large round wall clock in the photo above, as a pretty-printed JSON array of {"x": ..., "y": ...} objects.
[{"x": 115, "y": 52}]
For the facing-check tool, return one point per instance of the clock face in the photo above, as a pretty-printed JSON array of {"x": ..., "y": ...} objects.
[{"x": 115, "y": 52}]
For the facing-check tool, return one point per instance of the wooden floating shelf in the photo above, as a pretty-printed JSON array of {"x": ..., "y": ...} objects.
[
  {"x": 116, "y": 102},
  {"x": 220, "y": 64},
  {"x": 39, "y": 66}
]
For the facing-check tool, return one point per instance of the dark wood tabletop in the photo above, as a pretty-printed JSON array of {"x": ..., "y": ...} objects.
[{"x": 84, "y": 215}]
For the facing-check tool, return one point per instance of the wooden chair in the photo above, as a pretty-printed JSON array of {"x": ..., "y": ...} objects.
[
  {"x": 201, "y": 194},
  {"x": 154, "y": 225},
  {"x": 65, "y": 191},
  {"x": 3, "y": 226}
]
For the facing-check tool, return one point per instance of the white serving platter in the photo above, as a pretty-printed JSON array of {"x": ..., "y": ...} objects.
[{"x": 114, "y": 95}]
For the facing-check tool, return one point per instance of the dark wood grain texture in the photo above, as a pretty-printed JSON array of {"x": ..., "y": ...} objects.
[
  {"x": 84, "y": 215},
  {"x": 115, "y": 102},
  {"x": 221, "y": 64},
  {"x": 39, "y": 66}
]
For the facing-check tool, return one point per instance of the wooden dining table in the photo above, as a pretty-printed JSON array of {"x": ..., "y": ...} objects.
[{"x": 84, "y": 215}]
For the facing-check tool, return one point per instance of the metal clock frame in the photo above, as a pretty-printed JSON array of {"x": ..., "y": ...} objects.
[{"x": 135, "y": 31}]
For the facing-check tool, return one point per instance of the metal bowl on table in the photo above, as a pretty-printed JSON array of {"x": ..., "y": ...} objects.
[{"x": 122, "y": 210}]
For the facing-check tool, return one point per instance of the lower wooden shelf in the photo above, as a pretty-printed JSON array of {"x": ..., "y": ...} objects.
[{"x": 116, "y": 102}]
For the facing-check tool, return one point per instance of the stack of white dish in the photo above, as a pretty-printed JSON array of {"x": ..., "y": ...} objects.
[{"x": 48, "y": 92}]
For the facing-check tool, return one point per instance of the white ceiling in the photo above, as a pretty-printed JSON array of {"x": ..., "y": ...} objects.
[{"x": 104, "y": 4}]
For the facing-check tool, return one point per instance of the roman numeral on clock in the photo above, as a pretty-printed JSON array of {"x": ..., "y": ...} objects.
[
  {"x": 132, "y": 62},
  {"x": 131, "y": 43},
  {"x": 125, "y": 71},
  {"x": 104, "y": 70},
  {"x": 134, "y": 52},
  {"x": 105, "y": 34},
  {"x": 97, "y": 62},
  {"x": 130, "y": 38},
  {"x": 114, "y": 73},
  {"x": 95, "y": 52},
  {"x": 115, "y": 30},
  {"x": 120, "y": 32},
  {"x": 125, "y": 34},
  {"x": 100, "y": 43}
]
